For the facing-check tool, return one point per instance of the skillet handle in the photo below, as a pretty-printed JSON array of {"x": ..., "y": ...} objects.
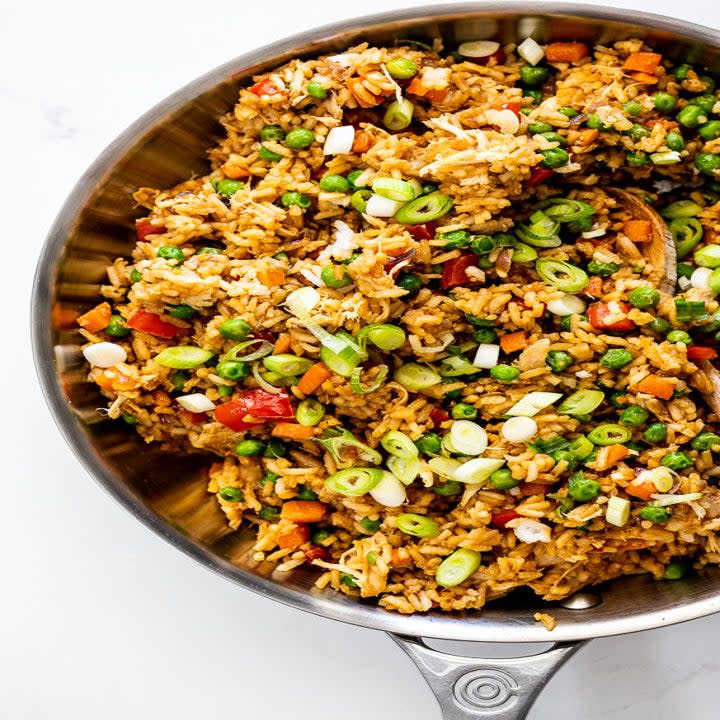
[{"x": 469, "y": 688}]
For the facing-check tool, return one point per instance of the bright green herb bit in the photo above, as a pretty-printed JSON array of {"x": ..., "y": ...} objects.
[
  {"x": 583, "y": 489},
  {"x": 616, "y": 358},
  {"x": 232, "y": 494},
  {"x": 558, "y": 360},
  {"x": 655, "y": 514},
  {"x": 677, "y": 460}
]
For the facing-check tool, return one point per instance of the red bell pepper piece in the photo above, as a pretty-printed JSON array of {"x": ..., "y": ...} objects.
[
  {"x": 438, "y": 416},
  {"x": 316, "y": 552},
  {"x": 699, "y": 352},
  {"x": 599, "y": 312},
  {"x": 254, "y": 407},
  {"x": 501, "y": 519},
  {"x": 497, "y": 58},
  {"x": 232, "y": 414},
  {"x": 514, "y": 106},
  {"x": 539, "y": 175},
  {"x": 143, "y": 228},
  {"x": 264, "y": 87},
  {"x": 454, "y": 270},
  {"x": 423, "y": 232},
  {"x": 154, "y": 325},
  {"x": 194, "y": 418}
]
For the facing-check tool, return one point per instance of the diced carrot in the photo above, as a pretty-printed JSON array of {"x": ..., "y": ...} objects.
[
  {"x": 292, "y": 540},
  {"x": 313, "y": 378},
  {"x": 416, "y": 87},
  {"x": 316, "y": 552},
  {"x": 644, "y": 78},
  {"x": 663, "y": 122},
  {"x": 657, "y": 386},
  {"x": 566, "y": 52},
  {"x": 282, "y": 344},
  {"x": 643, "y": 490},
  {"x": 303, "y": 511},
  {"x": 105, "y": 380},
  {"x": 194, "y": 418},
  {"x": 293, "y": 431},
  {"x": 587, "y": 137},
  {"x": 400, "y": 558},
  {"x": 96, "y": 319},
  {"x": 234, "y": 171},
  {"x": 595, "y": 286},
  {"x": 436, "y": 96},
  {"x": 514, "y": 341},
  {"x": 639, "y": 231},
  {"x": 533, "y": 488},
  {"x": 610, "y": 455},
  {"x": 363, "y": 142},
  {"x": 271, "y": 276},
  {"x": 113, "y": 379},
  {"x": 644, "y": 62}
]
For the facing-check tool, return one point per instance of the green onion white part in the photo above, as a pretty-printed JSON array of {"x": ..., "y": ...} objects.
[
  {"x": 382, "y": 207},
  {"x": 395, "y": 189},
  {"x": 444, "y": 467},
  {"x": 457, "y": 567},
  {"x": 414, "y": 376},
  {"x": 417, "y": 525},
  {"x": 477, "y": 470},
  {"x": 486, "y": 356},
  {"x": 399, "y": 444},
  {"x": 530, "y": 531},
  {"x": 389, "y": 492},
  {"x": 263, "y": 382},
  {"x": 668, "y": 157},
  {"x": 104, "y": 354},
  {"x": 567, "y": 305},
  {"x": 519, "y": 429},
  {"x": 404, "y": 469},
  {"x": 700, "y": 279},
  {"x": 581, "y": 402},
  {"x": 478, "y": 48},
  {"x": 667, "y": 500},
  {"x": 533, "y": 403},
  {"x": 354, "y": 482},
  {"x": 617, "y": 511},
  {"x": 302, "y": 302},
  {"x": 339, "y": 140},
  {"x": 196, "y": 403},
  {"x": 530, "y": 51},
  {"x": 186, "y": 357},
  {"x": 468, "y": 438},
  {"x": 661, "y": 477}
]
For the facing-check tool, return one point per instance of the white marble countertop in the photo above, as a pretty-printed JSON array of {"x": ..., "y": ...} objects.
[{"x": 102, "y": 619}]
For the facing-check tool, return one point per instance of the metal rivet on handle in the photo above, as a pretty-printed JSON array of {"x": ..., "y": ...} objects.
[
  {"x": 486, "y": 689},
  {"x": 581, "y": 601}
]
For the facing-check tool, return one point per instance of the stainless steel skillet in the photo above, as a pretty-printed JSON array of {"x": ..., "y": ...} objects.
[{"x": 168, "y": 493}]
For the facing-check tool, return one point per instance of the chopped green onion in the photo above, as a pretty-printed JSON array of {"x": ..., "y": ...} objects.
[
  {"x": 398, "y": 115},
  {"x": 338, "y": 440},
  {"x": 547, "y": 446},
  {"x": 542, "y": 231},
  {"x": 468, "y": 438},
  {"x": 687, "y": 233},
  {"x": 354, "y": 482},
  {"x": 455, "y": 366},
  {"x": 287, "y": 365},
  {"x": 609, "y": 434},
  {"x": 404, "y": 469},
  {"x": 343, "y": 363},
  {"x": 708, "y": 256},
  {"x": 444, "y": 466},
  {"x": 399, "y": 444},
  {"x": 414, "y": 376},
  {"x": 582, "y": 489},
  {"x": 581, "y": 447},
  {"x": 385, "y": 337},
  {"x": 243, "y": 352},
  {"x": 359, "y": 199},
  {"x": 562, "y": 275},
  {"x": 477, "y": 470},
  {"x": 523, "y": 253},
  {"x": 617, "y": 511},
  {"x": 424, "y": 209},
  {"x": 309, "y": 412},
  {"x": 532, "y": 404},
  {"x": 183, "y": 357},
  {"x": 417, "y": 525},
  {"x": 356, "y": 381},
  {"x": 564, "y": 210},
  {"x": 690, "y": 310},
  {"x": 681, "y": 209},
  {"x": 394, "y": 189},
  {"x": 457, "y": 567}
]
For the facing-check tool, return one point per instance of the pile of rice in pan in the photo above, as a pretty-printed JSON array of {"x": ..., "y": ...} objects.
[{"x": 446, "y": 318}]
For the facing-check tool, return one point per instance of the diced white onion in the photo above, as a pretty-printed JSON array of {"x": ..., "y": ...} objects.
[
  {"x": 339, "y": 140},
  {"x": 617, "y": 511},
  {"x": 506, "y": 120},
  {"x": 530, "y": 531},
  {"x": 661, "y": 477},
  {"x": 530, "y": 51},
  {"x": 593, "y": 233},
  {"x": 445, "y": 467},
  {"x": 700, "y": 278},
  {"x": 478, "y": 48},
  {"x": 389, "y": 492},
  {"x": 301, "y": 302},
  {"x": 533, "y": 403},
  {"x": 566, "y": 305},
  {"x": 104, "y": 354},
  {"x": 379, "y": 206},
  {"x": 196, "y": 403},
  {"x": 518, "y": 429},
  {"x": 487, "y": 356},
  {"x": 343, "y": 246},
  {"x": 477, "y": 470},
  {"x": 684, "y": 283},
  {"x": 342, "y": 59},
  {"x": 313, "y": 275},
  {"x": 665, "y": 500},
  {"x": 468, "y": 437}
]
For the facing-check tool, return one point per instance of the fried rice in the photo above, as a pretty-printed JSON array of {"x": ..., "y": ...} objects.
[{"x": 453, "y": 368}]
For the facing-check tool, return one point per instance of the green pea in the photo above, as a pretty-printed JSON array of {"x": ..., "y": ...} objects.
[
  {"x": 533, "y": 93},
  {"x": 297, "y": 199},
  {"x": 564, "y": 456},
  {"x": 485, "y": 336},
  {"x": 555, "y": 157},
  {"x": 659, "y": 325},
  {"x": 170, "y": 252},
  {"x": 637, "y": 158},
  {"x": 401, "y": 68},
  {"x": 268, "y": 155},
  {"x": 117, "y": 327},
  {"x": 706, "y": 102},
  {"x": 235, "y": 329},
  {"x": 178, "y": 380},
  {"x": 448, "y": 488},
  {"x": 538, "y": 127},
  {"x": 566, "y": 321},
  {"x": 558, "y": 360},
  {"x": 269, "y": 477},
  {"x": 595, "y": 123},
  {"x": 269, "y": 513},
  {"x": 680, "y": 72},
  {"x": 479, "y": 322},
  {"x": 208, "y": 251},
  {"x": 455, "y": 239},
  {"x": 224, "y": 391},
  {"x": 644, "y": 297},
  {"x": 232, "y": 494},
  {"x": 633, "y": 108},
  {"x": 334, "y": 183},
  {"x": 677, "y": 460},
  {"x": 232, "y": 370},
  {"x": 430, "y": 443},
  {"x": 275, "y": 449},
  {"x": 691, "y": 116},
  {"x": 135, "y": 275},
  {"x": 583, "y": 489},
  {"x": 248, "y": 448},
  {"x": 554, "y": 137},
  {"x": 299, "y": 138},
  {"x": 534, "y": 75},
  {"x": 616, "y": 358},
  {"x": 664, "y": 102},
  {"x": 319, "y": 535},
  {"x": 679, "y": 336},
  {"x": 675, "y": 141},
  {"x": 708, "y": 163},
  {"x": 655, "y": 514},
  {"x": 638, "y": 132},
  {"x": 335, "y": 276},
  {"x": 316, "y": 90},
  {"x": 182, "y": 311},
  {"x": 569, "y": 112},
  {"x": 710, "y": 130},
  {"x": 129, "y": 419},
  {"x": 676, "y": 569},
  {"x": 634, "y": 416},
  {"x": 705, "y": 441},
  {"x": 502, "y": 479},
  {"x": 305, "y": 493},
  {"x": 429, "y": 188},
  {"x": 349, "y": 580},
  {"x": 272, "y": 132},
  {"x": 227, "y": 187},
  {"x": 504, "y": 373},
  {"x": 370, "y": 526},
  {"x": 463, "y": 411},
  {"x": 655, "y": 433},
  {"x": 602, "y": 269},
  {"x": 409, "y": 281},
  {"x": 352, "y": 177}
]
